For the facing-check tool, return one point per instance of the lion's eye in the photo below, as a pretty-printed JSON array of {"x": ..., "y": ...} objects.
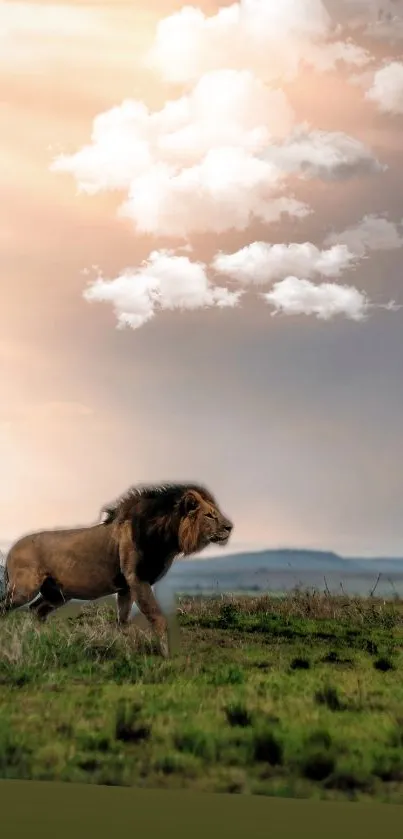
[{"x": 209, "y": 516}]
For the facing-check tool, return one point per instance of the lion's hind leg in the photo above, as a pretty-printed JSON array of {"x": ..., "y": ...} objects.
[
  {"x": 19, "y": 594},
  {"x": 50, "y": 598},
  {"x": 41, "y": 608}
]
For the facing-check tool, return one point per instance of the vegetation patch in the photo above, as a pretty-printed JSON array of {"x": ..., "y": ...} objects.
[{"x": 295, "y": 696}]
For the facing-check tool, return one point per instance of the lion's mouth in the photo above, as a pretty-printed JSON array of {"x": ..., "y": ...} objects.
[{"x": 221, "y": 538}]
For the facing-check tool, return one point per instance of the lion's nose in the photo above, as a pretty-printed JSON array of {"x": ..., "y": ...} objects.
[{"x": 228, "y": 526}]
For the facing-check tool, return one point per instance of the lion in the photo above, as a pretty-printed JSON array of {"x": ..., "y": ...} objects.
[{"x": 126, "y": 553}]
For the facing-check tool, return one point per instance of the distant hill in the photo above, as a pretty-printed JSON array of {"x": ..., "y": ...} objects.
[
  {"x": 280, "y": 558},
  {"x": 383, "y": 564},
  {"x": 298, "y": 560},
  {"x": 283, "y": 570}
]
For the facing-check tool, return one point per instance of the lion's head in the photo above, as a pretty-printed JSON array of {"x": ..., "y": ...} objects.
[
  {"x": 184, "y": 516},
  {"x": 201, "y": 521}
]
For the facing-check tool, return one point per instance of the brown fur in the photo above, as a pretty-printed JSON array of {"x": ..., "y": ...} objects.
[{"x": 130, "y": 550}]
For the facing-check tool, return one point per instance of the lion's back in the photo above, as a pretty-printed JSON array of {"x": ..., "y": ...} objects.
[{"x": 52, "y": 546}]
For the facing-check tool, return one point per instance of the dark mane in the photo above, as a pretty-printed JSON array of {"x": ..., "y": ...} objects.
[{"x": 163, "y": 498}]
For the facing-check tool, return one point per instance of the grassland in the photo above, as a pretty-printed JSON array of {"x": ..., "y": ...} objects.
[{"x": 296, "y": 697}]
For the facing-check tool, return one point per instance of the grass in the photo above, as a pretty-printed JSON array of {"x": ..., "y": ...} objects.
[{"x": 298, "y": 697}]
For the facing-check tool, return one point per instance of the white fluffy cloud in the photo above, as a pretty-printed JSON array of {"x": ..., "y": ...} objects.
[
  {"x": 119, "y": 150},
  {"x": 271, "y": 38},
  {"x": 223, "y": 155},
  {"x": 373, "y": 233},
  {"x": 228, "y": 189},
  {"x": 293, "y": 296},
  {"x": 261, "y": 263},
  {"x": 213, "y": 160},
  {"x": 387, "y": 88},
  {"x": 168, "y": 281},
  {"x": 326, "y": 155},
  {"x": 224, "y": 109},
  {"x": 194, "y": 165},
  {"x": 164, "y": 281}
]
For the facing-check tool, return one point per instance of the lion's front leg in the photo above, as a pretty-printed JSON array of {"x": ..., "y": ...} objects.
[
  {"x": 146, "y": 601},
  {"x": 140, "y": 592}
]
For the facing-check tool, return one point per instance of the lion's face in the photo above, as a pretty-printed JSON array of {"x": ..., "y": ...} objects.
[
  {"x": 217, "y": 528},
  {"x": 202, "y": 524}
]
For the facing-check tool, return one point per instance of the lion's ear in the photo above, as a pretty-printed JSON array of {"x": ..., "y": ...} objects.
[{"x": 189, "y": 503}]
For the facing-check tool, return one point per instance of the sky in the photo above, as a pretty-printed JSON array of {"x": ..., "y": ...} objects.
[{"x": 201, "y": 245}]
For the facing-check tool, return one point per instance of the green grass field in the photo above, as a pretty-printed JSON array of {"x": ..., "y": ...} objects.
[{"x": 295, "y": 697}]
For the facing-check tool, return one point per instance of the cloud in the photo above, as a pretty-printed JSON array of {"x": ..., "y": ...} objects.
[
  {"x": 212, "y": 160},
  {"x": 380, "y": 19},
  {"x": 227, "y": 190},
  {"x": 223, "y": 155},
  {"x": 326, "y": 155},
  {"x": 231, "y": 187},
  {"x": 293, "y": 296},
  {"x": 387, "y": 88},
  {"x": 383, "y": 18},
  {"x": 373, "y": 233},
  {"x": 224, "y": 109},
  {"x": 164, "y": 281},
  {"x": 294, "y": 266},
  {"x": 272, "y": 39},
  {"x": 261, "y": 263},
  {"x": 193, "y": 166}
]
